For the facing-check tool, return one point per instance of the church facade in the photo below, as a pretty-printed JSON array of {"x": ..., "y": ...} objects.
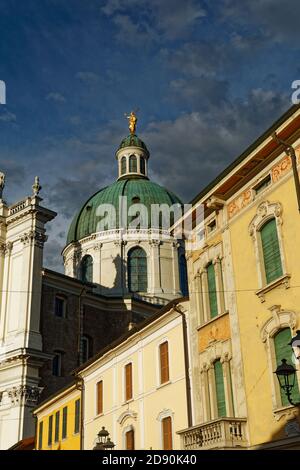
[{"x": 115, "y": 277}]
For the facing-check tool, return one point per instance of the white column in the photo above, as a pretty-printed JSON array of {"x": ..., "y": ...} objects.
[
  {"x": 219, "y": 285},
  {"x": 155, "y": 272},
  {"x": 205, "y": 295}
]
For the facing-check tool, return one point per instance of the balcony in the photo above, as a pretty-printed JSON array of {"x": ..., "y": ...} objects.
[{"x": 221, "y": 433}]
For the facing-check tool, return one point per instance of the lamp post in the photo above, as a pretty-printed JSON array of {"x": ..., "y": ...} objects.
[{"x": 104, "y": 442}]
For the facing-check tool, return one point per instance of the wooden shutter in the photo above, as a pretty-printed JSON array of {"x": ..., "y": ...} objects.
[
  {"x": 50, "y": 428},
  {"x": 130, "y": 440},
  {"x": 220, "y": 391},
  {"x": 56, "y": 437},
  {"x": 284, "y": 351},
  {"x": 65, "y": 422},
  {"x": 164, "y": 362},
  {"x": 128, "y": 382},
  {"x": 167, "y": 433},
  {"x": 77, "y": 417},
  {"x": 100, "y": 397},
  {"x": 212, "y": 291},
  {"x": 41, "y": 426},
  {"x": 271, "y": 251}
]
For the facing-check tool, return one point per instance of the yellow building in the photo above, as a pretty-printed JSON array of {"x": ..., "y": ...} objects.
[
  {"x": 58, "y": 421},
  {"x": 137, "y": 387},
  {"x": 244, "y": 282}
]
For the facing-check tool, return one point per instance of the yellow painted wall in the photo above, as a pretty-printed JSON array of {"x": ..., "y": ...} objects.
[
  {"x": 149, "y": 398},
  {"x": 264, "y": 425},
  {"x": 72, "y": 441}
]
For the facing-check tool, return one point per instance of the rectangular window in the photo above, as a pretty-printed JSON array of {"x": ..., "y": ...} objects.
[
  {"x": 211, "y": 227},
  {"x": 262, "y": 184},
  {"x": 59, "y": 308},
  {"x": 164, "y": 362},
  {"x": 56, "y": 364},
  {"x": 130, "y": 440},
  {"x": 50, "y": 429},
  {"x": 64, "y": 422},
  {"x": 41, "y": 425},
  {"x": 271, "y": 251},
  {"x": 77, "y": 417},
  {"x": 57, "y": 418},
  {"x": 167, "y": 433},
  {"x": 128, "y": 382},
  {"x": 100, "y": 397},
  {"x": 212, "y": 290}
]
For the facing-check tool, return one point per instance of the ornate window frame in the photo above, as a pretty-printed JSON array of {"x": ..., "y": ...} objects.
[
  {"x": 265, "y": 212},
  {"x": 165, "y": 413},
  {"x": 279, "y": 320}
]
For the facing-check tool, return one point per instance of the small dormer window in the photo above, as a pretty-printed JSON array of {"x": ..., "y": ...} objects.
[
  {"x": 211, "y": 227},
  {"x": 135, "y": 200},
  {"x": 132, "y": 164}
]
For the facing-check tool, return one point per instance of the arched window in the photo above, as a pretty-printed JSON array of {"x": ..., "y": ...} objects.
[
  {"x": 271, "y": 251},
  {"x": 212, "y": 291},
  {"x": 183, "y": 278},
  {"x": 142, "y": 165},
  {"x": 132, "y": 164},
  {"x": 137, "y": 270},
  {"x": 86, "y": 269},
  {"x": 123, "y": 165},
  {"x": 284, "y": 351},
  {"x": 220, "y": 390}
]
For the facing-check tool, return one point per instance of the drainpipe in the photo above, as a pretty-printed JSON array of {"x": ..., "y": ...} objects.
[
  {"x": 80, "y": 323},
  {"x": 186, "y": 366},
  {"x": 80, "y": 386},
  {"x": 292, "y": 154}
]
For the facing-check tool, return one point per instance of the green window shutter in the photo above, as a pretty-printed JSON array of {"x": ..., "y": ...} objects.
[
  {"x": 284, "y": 351},
  {"x": 65, "y": 422},
  {"x": 220, "y": 391},
  {"x": 212, "y": 292},
  {"x": 77, "y": 416},
  {"x": 50, "y": 427},
  {"x": 41, "y": 435},
  {"x": 271, "y": 251},
  {"x": 56, "y": 438}
]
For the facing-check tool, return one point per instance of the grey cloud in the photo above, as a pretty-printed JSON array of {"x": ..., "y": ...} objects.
[
  {"x": 87, "y": 77},
  {"x": 7, "y": 116}
]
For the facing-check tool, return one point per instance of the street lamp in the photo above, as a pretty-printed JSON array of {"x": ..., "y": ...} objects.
[
  {"x": 286, "y": 375},
  {"x": 104, "y": 442}
]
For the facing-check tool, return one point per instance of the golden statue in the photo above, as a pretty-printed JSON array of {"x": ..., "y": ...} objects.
[{"x": 132, "y": 120}]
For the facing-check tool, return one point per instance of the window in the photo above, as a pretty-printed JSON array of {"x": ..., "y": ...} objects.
[
  {"x": 100, "y": 397},
  {"x": 220, "y": 391},
  {"x": 183, "y": 278},
  {"x": 262, "y": 185},
  {"x": 137, "y": 270},
  {"x": 271, "y": 251},
  {"x": 211, "y": 227},
  {"x": 128, "y": 382},
  {"x": 50, "y": 428},
  {"x": 142, "y": 165},
  {"x": 129, "y": 439},
  {"x": 85, "y": 348},
  {"x": 132, "y": 164},
  {"x": 167, "y": 433},
  {"x": 59, "y": 307},
  {"x": 283, "y": 351},
  {"x": 86, "y": 269},
  {"x": 77, "y": 416},
  {"x": 123, "y": 165},
  {"x": 164, "y": 362},
  {"x": 56, "y": 364},
  {"x": 57, "y": 418},
  {"x": 212, "y": 292},
  {"x": 64, "y": 422},
  {"x": 41, "y": 425}
]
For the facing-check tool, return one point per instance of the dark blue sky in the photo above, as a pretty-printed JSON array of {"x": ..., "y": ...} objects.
[{"x": 207, "y": 76}]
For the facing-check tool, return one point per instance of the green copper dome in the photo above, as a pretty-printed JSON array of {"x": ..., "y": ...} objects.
[
  {"x": 132, "y": 140},
  {"x": 137, "y": 190}
]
